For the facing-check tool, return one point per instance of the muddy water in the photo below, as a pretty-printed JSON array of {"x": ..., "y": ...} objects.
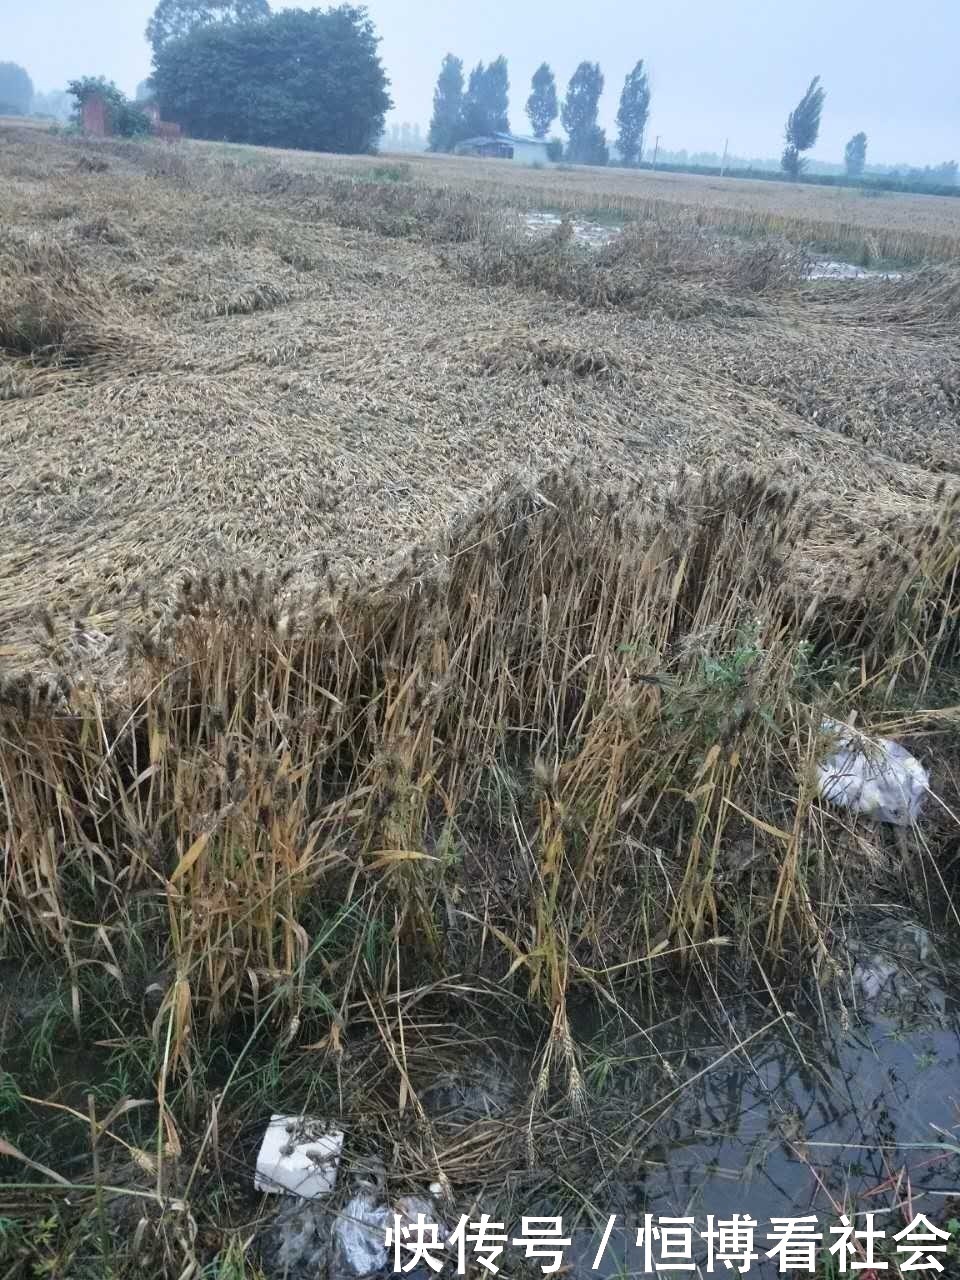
[
  {"x": 829, "y": 269},
  {"x": 853, "y": 1106},
  {"x": 595, "y": 235},
  {"x": 723, "y": 1105},
  {"x": 592, "y": 234}
]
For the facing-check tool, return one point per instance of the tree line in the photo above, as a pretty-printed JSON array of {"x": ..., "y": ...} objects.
[
  {"x": 479, "y": 107},
  {"x": 234, "y": 70}
]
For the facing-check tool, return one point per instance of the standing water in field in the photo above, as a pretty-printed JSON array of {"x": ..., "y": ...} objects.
[
  {"x": 774, "y": 1114},
  {"x": 595, "y": 235}
]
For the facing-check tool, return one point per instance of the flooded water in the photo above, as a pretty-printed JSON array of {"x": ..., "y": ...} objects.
[
  {"x": 594, "y": 235},
  {"x": 848, "y": 1101},
  {"x": 829, "y": 269},
  {"x": 854, "y": 1108},
  {"x": 591, "y": 234}
]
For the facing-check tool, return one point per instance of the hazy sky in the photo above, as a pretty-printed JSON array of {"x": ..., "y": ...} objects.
[{"x": 719, "y": 68}]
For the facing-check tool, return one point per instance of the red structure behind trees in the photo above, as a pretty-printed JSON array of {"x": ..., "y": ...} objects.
[{"x": 95, "y": 117}]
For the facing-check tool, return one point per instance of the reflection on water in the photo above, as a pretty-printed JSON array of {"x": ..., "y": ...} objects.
[
  {"x": 852, "y": 1115},
  {"x": 720, "y": 1105}
]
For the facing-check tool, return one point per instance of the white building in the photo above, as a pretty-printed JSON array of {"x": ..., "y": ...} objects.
[{"x": 506, "y": 146}]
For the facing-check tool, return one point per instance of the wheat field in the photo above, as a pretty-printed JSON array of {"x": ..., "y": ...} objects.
[
  {"x": 869, "y": 225},
  {"x": 405, "y": 622}
]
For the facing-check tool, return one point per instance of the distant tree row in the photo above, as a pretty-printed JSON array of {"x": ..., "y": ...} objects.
[
  {"x": 16, "y": 90},
  {"x": 482, "y": 108},
  {"x": 18, "y": 97},
  {"x": 803, "y": 128},
  {"x": 403, "y": 137},
  {"x": 233, "y": 70}
]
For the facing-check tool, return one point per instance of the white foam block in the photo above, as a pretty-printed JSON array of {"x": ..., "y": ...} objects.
[{"x": 300, "y": 1156}]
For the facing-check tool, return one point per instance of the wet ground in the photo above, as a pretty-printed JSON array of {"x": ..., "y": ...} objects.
[
  {"x": 853, "y": 1107},
  {"x": 829, "y": 269},
  {"x": 539, "y": 222},
  {"x": 595, "y": 235},
  {"x": 723, "y": 1106}
]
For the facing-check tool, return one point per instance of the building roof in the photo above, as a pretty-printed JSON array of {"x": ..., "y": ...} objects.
[
  {"x": 516, "y": 137},
  {"x": 501, "y": 137}
]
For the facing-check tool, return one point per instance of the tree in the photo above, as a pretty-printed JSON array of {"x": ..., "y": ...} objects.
[
  {"x": 473, "y": 116},
  {"x": 300, "y": 78},
  {"x": 595, "y": 149},
  {"x": 16, "y": 90},
  {"x": 125, "y": 117},
  {"x": 447, "y": 106},
  {"x": 803, "y": 126},
  {"x": 173, "y": 19},
  {"x": 496, "y": 95},
  {"x": 632, "y": 116},
  {"x": 55, "y": 104},
  {"x": 485, "y": 103},
  {"x": 555, "y": 150},
  {"x": 143, "y": 91},
  {"x": 542, "y": 106},
  {"x": 579, "y": 115},
  {"x": 855, "y": 156}
]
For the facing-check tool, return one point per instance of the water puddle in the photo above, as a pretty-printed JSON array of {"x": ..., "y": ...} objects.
[
  {"x": 846, "y": 1101},
  {"x": 828, "y": 269},
  {"x": 856, "y": 1111},
  {"x": 591, "y": 234},
  {"x": 539, "y": 222}
]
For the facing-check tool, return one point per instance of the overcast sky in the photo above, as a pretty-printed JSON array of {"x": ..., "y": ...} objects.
[{"x": 719, "y": 68}]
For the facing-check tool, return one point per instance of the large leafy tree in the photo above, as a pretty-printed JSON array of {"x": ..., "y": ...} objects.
[
  {"x": 588, "y": 143},
  {"x": 16, "y": 90},
  {"x": 632, "y": 115},
  {"x": 447, "y": 106},
  {"x": 542, "y": 105},
  {"x": 803, "y": 128},
  {"x": 173, "y": 19},
  {"x": 855, "y": 155},
  {"x": 306, "y": 79}
]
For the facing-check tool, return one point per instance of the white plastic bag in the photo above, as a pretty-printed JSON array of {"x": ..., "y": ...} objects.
[{"x": 875, "y": 777}]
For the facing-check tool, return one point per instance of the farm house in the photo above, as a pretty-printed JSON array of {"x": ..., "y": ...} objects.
[{"x": 506, "y": 146}]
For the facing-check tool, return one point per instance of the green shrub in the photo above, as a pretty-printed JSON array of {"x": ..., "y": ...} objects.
[{"x": 126, "y": 119}]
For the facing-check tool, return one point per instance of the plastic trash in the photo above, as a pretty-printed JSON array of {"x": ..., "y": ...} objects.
[
  {"x": 360, "y": 1236},
  {"x": 298, "y": 1155},
  {"x": 360, "y": 1231},
  {"x": 874, "y": 976},
  {"x": 875, "y": 777}
]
